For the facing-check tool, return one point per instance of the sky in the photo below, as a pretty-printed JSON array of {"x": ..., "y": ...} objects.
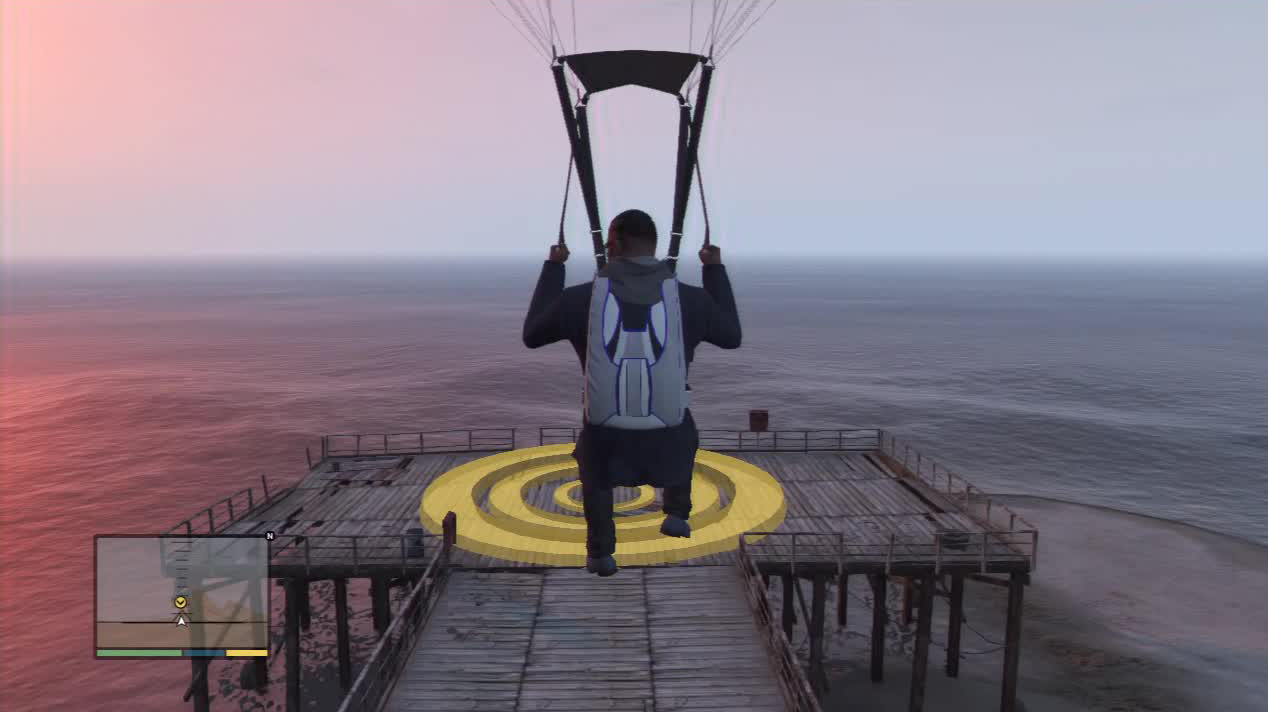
[{"x": 387, "y": 128}]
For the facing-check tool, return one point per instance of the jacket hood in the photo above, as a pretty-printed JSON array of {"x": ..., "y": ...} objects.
[{"x": 637, "y": 280}]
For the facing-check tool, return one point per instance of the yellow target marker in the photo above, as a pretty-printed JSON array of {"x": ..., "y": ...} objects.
[
  {"x": 569, "y": 497},
  {"x": 491, "y": 497}
]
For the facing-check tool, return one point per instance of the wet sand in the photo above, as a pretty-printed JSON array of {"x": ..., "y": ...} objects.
[{"x": 1124, "y": 612}]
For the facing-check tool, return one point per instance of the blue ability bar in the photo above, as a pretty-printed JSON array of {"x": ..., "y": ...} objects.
[{"x": 205, "y": 653}]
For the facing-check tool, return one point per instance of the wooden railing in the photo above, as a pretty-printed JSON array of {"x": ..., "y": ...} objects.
[
  {"x": 216, "y": 518},
  {"x": 418, "y": 443},
  {"x": 973, "y": 550},
  {"x": 793, "y": 683},
  {"x": 993, "y": 516},
  {"x": 370, "y": 690},
  {"x": 851, "y": 439},
  {"x": 353, "y": 553}
]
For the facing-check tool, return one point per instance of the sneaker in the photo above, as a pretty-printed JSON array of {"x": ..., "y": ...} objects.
[
  {"x": 601, "y": 565},
  {"x": 675, "y": 526}
]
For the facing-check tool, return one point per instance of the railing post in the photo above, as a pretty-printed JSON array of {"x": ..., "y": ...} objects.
[
  {"x": 384, "y": 443},
  {"x": 230, "y": 501},
  {"x": 354, "y": 553},
  {"x": 308, "y": 565},
  {"x": 211, "y": 521},
  {"x": 265, "y": 480},
  {"x": 358, "y": 445},
  {"x": 889, "y": 557},
  {"x": 1034, "y": 549},
  {"x": 449, "y": 527},
  {"x": 792, "y": 564},
  {"x": 250, "y": 499},
  {"x": 468, "y": 441},
  {"x": 985, "y": 543}
]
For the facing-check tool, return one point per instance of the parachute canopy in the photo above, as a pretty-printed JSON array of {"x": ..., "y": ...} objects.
[{"x": 662, "y": 71}]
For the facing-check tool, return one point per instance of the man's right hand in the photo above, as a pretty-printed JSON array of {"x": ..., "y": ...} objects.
[
  {"x": 711, "y": 255},
  {"x": 558, "y": 253}
]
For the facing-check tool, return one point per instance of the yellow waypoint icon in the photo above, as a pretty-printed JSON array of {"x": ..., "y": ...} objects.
[{"x": 180, "y": 602}]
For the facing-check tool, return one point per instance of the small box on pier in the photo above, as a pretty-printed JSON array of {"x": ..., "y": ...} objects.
[{"x": 758, "y": 421}]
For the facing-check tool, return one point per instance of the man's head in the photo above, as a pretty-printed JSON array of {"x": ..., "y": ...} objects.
[{"x": 632, "y": 234}]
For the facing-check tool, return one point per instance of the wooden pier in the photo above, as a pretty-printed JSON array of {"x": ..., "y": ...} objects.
[{"x": 488, "y": 633}]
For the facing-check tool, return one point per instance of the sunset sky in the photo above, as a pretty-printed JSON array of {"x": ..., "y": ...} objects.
[{"x": 391, "y": 127}]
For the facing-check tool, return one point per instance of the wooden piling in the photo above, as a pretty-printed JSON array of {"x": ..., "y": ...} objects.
[
  {"x": 293, "y": 669},
  {"x": 305, "y": 605},
  {"x": 341, "y": 633},
  {"x": 1012, "y": 643},
  {"x": 790, "y": 616},
  {"x": 260, "y": 665},
  {"x": 260, "y": 671},
  {"x": 201, "y": 687},
  {"x": 920, "y": 659},
  {"x": 907, "y": 601},
  {"x": 843, "y": 598},
  {"x": 879, "y": 616},
  {"x": 819, "y": 597},
  {"x": 380, "y": 603},
  {"x": 953, "y": 624}
]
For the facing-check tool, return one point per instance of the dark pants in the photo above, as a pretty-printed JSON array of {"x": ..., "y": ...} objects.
[{"x": 601, "y": 524}]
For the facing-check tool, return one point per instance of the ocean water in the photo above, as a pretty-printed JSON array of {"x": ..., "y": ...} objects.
[{"x": 132, "y": 395}]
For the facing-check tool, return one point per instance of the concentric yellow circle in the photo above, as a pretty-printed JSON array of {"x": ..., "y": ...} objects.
[
  {"x": 494, "y": 518},
  {"x": 569, "y": 497}
]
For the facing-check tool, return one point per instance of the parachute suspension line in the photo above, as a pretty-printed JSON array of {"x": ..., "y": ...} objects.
[
  {"x": 554, "y": 29},
  {"x": 526, "y": 12},
  {"x": 691, "y": 29},
  {"x": 703, "y": 206},
  {"x": 751, "y": 25},
  {"x": 736, "y": 21},
  {"x": 545, "y": 21},
  {"x": 567, "y": 188},
  {"x": 526, "y": 17},
  {"x": 574, "y": 26},
  {"x": 518, "y": 31}
]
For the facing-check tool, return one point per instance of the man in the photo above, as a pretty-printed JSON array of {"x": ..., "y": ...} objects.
[{"x": 642, "y": 432}]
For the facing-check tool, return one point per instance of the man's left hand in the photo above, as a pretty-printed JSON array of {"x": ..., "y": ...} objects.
[{"x": 558, "y": 253}]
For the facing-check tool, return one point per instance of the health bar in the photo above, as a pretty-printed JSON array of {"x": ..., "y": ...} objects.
[{"x": 179, "y": 653}]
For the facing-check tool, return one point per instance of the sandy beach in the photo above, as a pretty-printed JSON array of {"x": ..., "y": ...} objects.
[{"x": 1124, "y": 612}]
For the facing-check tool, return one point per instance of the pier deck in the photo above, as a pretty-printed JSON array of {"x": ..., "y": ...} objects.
[
  {"x": 857, "y": 502},
  {"x": 674, "y": 639},
  {"x": 857, "y": 508}
]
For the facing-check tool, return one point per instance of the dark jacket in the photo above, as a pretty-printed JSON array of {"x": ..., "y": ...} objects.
[{"x": 610, "y": 456}]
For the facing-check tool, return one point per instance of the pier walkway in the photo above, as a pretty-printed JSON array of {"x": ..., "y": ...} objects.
[{"x": 647, "y": 638}]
